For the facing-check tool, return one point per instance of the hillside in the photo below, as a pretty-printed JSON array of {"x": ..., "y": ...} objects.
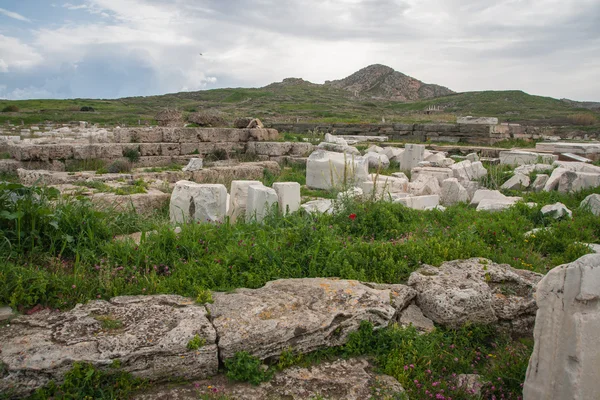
[
  {"x": 383, "y": 83},
  {"x": 295, "y": 99}
]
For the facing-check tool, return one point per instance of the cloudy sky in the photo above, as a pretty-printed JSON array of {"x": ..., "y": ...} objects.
[{"x": 116, "y": 48}]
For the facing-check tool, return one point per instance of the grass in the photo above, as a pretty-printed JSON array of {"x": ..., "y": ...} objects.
[
  {"x": 59, "y": 253},
  {"x": 136, "y": 187}
]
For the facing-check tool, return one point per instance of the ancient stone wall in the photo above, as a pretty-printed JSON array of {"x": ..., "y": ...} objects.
[{"x": 452, "y": 133}]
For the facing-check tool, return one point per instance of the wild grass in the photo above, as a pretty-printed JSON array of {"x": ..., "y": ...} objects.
[{"x": 61, "y": 252}]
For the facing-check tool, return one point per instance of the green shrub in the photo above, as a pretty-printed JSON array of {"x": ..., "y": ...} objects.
[
  {"x": 246, "y": 368},
  {"x": 196, "y": 342},
  {"x": 84, "y": 381},
  {"x": 11, "y": 108},
  {"x": 133, "y": 155},
  {"x": 87, "y": 109},
  {"x": 119, "y": 167}
]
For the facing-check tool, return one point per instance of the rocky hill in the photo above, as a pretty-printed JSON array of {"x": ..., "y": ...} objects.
[{"x": 382, "y": 82}]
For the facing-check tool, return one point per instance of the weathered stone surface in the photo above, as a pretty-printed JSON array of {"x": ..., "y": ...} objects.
[
  {"x": 327, "y": 170},
  {"x": 301, "y": 314},
  {"x": 288, "y": 194},
  {"x": 517, "y": 182},
  {"x": 527, "y": 169},
  {"x": 402, "y": 295},
  {"x": 382, "y": 186},
  {"x": 5, "y": 313},
  {"x": 147, "y": 334},
  {"x": 352, "y": 379},
  {"x": 195, "y": 164},
  {"x": 338, "y": 148},
  {"x": 592, "y": 202},
  {"x": 419, "y": 202},
  {"x": 261, "y": 201},
  {"x": 557, "y": 210},
  {"x": 255, "y": 124},
  {"x": 192, "y": 201},
  {"x": 374, "y": 149},
  {"x": 377, "y": 160},
  {"x": 413, "y": 316},
  {"x": 351, "y": 193},
  {"x": 477, "y": 120},
  {"x": 494, "y": 205},
  {"x": 566, "y": 355},
  {"x": 411, "y": 157},
  {"x": 440, "y": 173},
  {"x": 269, "y": 148},
  {"x": 466, "y": 170},
  {"x": 520, "y": 157},
  {"x": 540, "y": 182},
  {"x": 577, "y": 181},
  {"x": 552, "y": 182},
  {"x": 140, "y": 203},
  {"x": 318, "y": 206},
  {"x": 393, "y": 153},
  {"x": 425, "y": 185},
  {"x": 453, "y": 192},
  {"x": 475, "y": 290}
]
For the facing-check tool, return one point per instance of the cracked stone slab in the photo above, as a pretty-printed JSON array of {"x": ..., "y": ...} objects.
[
  {"x": 333, "y": 380},
  {"x": 147, "y": 334},
  {"x": 301, "y": 314}
]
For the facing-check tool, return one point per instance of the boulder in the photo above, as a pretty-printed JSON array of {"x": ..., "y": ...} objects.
[
  {"x": 554, "y": 179},
  {"x": 393, "y": 153},
  {"x": 540, "y": 182},
  {"x": 474, "y": 291},
  {"x": 261, "y": 200},
  {"x": 413, "y": 154},
  {"x": 447, "y": 162},
  {"x": 482, "y": 194},
  {"x": 453, "y": 192},
  {"x": 288, "y": 194},
  {"x": 377, "y": 160},
  {"x": 517, "y": 182},
  {"x": 352, "y": 379},
  {"x": 494, "y": 205},
  {"x": 419, "y": 202},
  {"x": 242, "y": 123},
  {"x": 375, "y": 149},
  {"x": 577, "y": 181},
  {"x": 192, "y": 201},
  {"x": 195, "y": 164},
  {"x": 557, "y": 210},
  {"x": 401, "y": 295},
  {"x": 238, "y": 199},
  {"x": 530, "y": 168},
  {"x": 148, "y": 335},
  {"x": 323, "y": 206},
  {"x": 298, "y": 314},
  {"x": 592, "y": 202},
  {"x": 466, "y": 170},
  {"x": 329, "y": 138},
  {"x": 255, "y": 124},
  {"x": 566, "y": 355},
  {"x": 413, "y": 316},
  {"x": 436, "y": 158},
  {"x": 473, "y": 157},
  {"x": 440, "y": 173},
  {"x": 425, "y": 185},
  {"x": 328, "y": 170}
]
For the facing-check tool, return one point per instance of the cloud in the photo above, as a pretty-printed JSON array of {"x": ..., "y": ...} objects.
[
  {"x": 15, "y": 54},
  {"x": 14, "y": 15},
  {"x": 547, "y": 47}
]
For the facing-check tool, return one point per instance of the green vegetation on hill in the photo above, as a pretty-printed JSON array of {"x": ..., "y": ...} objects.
[{"x": 301, "y": 101}]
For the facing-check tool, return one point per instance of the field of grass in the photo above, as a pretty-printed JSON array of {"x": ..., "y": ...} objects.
[
  {"x": 305, "y": 102},
  {"x": 58, "y": 252}
]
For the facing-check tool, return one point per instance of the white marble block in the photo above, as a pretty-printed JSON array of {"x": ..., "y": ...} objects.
[{"x": 288, "y": 194}]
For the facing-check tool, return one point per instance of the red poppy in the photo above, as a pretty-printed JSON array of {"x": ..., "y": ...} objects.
[{"x": 352, "y": 217}]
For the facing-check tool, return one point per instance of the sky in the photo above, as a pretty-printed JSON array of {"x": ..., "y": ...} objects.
[{"x": 121, "y": 48}]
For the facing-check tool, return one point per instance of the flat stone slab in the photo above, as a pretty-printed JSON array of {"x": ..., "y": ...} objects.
[
  {"x": 333, "y": 380},
  {"x": 301, "y": 314},
  {"x": 147, "y": 334}
]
